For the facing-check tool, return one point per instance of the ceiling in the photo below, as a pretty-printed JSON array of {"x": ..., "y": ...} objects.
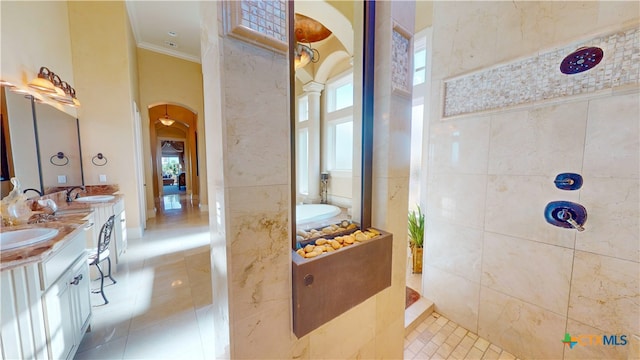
[{"x": 167, "y": 27}]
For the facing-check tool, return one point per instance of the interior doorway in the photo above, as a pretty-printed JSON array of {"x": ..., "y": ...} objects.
[{"x": 174, "y": 156}]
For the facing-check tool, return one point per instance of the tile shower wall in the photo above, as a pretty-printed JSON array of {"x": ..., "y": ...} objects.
[{"x": 492, "y": 262}]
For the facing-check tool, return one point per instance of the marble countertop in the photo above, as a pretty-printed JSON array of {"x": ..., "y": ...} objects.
[{"x": 68, "y": 225}]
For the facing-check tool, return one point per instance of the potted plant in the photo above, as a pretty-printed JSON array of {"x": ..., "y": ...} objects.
[{"x": 416, "y": 239}]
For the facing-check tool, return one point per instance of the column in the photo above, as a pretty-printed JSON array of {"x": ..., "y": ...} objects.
[{"x": 313, "y": 90}]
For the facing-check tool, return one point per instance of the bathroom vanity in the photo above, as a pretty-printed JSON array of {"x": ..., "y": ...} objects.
[{"x": 45, "y": 286}]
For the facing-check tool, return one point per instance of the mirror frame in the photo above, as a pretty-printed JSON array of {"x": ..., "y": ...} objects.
[{"x": 368, "y": 46}]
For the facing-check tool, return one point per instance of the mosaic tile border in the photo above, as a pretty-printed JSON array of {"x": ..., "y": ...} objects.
[
  {"x": 261, "y": 22},
  {"x": 401, "y": 60},
  {"x": 538, "y": 78}
]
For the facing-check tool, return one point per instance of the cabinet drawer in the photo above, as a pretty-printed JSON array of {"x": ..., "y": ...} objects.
[{"x": 56, "y": 265}]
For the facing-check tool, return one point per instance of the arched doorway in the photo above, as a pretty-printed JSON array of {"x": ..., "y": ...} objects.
[{"x": 173, "y": 152}]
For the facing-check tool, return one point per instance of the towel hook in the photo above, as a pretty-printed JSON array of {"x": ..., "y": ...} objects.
[
  {"x": 60, "y": 155},
  {"x": 99, "y": 156}
]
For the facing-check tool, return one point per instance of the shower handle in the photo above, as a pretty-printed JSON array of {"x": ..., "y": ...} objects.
[
  {"x": 565, "y": 215},
  {"x": 564, "y": 182}
]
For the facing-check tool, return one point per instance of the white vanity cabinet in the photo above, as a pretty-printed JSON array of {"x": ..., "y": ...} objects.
[
  {"x": 67, "y": 307},
  {"x": 119, "y": 237},
  {"x": 120, "y": 230},
  {"x": 46, "y": 306}
]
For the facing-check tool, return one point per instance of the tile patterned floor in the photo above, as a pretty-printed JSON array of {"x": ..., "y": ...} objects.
[
  {"x": 440, "y": 338},
  {"x": 160, "y": 307}
]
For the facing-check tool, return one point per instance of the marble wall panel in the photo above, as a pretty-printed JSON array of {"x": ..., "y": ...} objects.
[
  {"x": 387, "y": 344},
  {"x": 525, "y": 330},
  {"x": 460, "y": 146},
  {"x": 358, "y": 325},
  {"x": 255, "y": 125},
  {"x": 605, "y": 293},
  {"x": 613, "y": 225},
  {"x": 454, "y": 248},
  {"x": 547, "y": 140},
  {"x": 457, "y": 198},
  {"x": 612, "y": 146},
  {"x": 515, "y": 207},
  {"x": 264, "y": 335},
  {"x": 454, "y": 297},
  {"x": 512, "y": 266},
  {"x": 260, "y": 265}
]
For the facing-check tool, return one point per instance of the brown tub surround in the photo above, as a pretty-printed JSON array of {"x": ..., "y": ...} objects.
[{"x": 327, "y": 285}]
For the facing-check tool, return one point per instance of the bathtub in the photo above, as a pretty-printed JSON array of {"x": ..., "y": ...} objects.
[{"x": 308, "y": 213}]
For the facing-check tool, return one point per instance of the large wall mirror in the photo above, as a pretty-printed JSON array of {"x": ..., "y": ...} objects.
[
  {"x": 59, "y": 148},
  {"x": 328, "y": 114},
  {"x": 42, "y": 145}
]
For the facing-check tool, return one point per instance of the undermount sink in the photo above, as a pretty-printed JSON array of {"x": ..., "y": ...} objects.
[
  {"x": 95, "y": 198},
  {"x": 19, "y": 238}
]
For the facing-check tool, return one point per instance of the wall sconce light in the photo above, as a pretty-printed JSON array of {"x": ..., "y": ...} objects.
[
  {"x": 45, "y": 82},
  {"x": 166, "y": 121},
  {"x": 304, "y": 55},
  {"x": 69, "y": 97},
  {"x": 52, "y": 86}
]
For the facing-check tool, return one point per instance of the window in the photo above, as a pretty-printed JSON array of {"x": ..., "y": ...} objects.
[
  {"x": 419, "y": 66},
  {"x": 340, "y": 93},
  {"x": 303, "y": 108},
  {"x": 339, "y": 123},
  {"x": 344, "y": 145}
]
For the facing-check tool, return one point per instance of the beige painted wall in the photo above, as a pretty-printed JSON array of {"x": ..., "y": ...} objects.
[
  {"x": 166, "y": 79},
  {"x": 26, "y": 48},
  {"x": 424, "y": 15},
  {"x": 101, "y": 64}
]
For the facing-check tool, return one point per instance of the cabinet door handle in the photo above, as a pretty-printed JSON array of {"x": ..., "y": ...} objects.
[{"x": 76, "y": 280}]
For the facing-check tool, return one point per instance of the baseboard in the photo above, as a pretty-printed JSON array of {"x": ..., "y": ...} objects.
[
  {"x": 134, "y": 233},
  {"x": 204, "y": 207}
]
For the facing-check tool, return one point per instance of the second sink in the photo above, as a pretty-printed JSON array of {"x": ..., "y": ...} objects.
[{"x": 95, "y": 198}]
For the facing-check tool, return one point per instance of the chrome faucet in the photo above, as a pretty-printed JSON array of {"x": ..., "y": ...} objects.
[
  {"x": 69, "y": 191},
  {"x": 566, "y": 216}
]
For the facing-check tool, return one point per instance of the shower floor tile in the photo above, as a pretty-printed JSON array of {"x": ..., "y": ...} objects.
[{"x": 440, "y": 338}]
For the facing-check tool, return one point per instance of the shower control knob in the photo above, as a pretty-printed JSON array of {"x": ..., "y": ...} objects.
[{"x": 566, "y": 214}]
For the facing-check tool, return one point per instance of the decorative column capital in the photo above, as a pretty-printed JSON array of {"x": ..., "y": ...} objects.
[{"x": 313, "y": 87}]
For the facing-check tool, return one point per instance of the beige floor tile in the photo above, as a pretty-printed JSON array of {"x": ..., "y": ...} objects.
[
  {"x": 506, "y": 356},
  {"x": 474, "y": 354},
  {"x": 430, "y": 349},
  {"x": 160, "y": 306},
  {"x": 444, "y": 339}
]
